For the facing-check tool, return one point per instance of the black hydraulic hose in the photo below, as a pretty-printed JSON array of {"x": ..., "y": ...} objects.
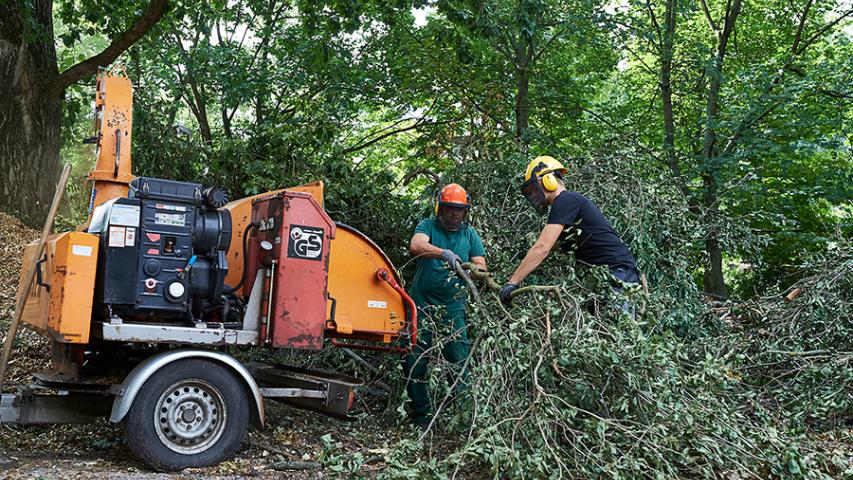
[{"x": 233, "y": 289}]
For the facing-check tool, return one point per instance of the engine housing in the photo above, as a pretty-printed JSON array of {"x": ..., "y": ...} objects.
[{"x": 162, "y": 249}]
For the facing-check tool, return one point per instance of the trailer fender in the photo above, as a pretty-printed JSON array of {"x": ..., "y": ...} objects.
[{"x": 126, "y": 392}]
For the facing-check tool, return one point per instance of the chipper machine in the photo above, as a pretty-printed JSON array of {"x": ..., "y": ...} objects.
[{"x": 143, "y": 302}]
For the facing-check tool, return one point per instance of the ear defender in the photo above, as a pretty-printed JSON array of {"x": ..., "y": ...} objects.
[{"x": 549, "y": 182}]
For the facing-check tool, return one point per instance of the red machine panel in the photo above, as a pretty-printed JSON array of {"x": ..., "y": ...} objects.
[{"x": 299, "y": 232}]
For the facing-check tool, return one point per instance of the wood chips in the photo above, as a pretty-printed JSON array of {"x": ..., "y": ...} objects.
[{"x": 30, "y": 352}]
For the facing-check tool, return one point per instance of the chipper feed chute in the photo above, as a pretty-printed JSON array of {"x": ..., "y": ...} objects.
[{"x": 367, "y": 302}]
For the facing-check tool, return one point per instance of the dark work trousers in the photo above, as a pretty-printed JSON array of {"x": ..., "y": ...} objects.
[
  {"x": 415, "y": 363},
  {"x": 626, "y": 276}
]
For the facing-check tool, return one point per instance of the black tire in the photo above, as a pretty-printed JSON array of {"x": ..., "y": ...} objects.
[{"x": 190, "y": 413}]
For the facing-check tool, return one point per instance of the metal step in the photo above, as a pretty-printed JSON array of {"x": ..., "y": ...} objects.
[{"x": 32, "y": 405}]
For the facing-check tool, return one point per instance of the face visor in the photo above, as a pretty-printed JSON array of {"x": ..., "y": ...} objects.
[
  {"x": 451, "y": 215},
  {"x": 532, "y": 191}
]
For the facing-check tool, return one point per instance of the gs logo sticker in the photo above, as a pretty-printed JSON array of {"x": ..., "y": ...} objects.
[{"x": 305, "y": 242}]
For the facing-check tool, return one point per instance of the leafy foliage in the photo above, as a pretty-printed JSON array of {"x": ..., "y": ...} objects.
[{"x": 385, "y": 109}]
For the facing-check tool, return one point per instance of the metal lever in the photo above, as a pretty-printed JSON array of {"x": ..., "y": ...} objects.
[
  {"x": 95, "y": 139},
  {"x": 118, "y": 151}
]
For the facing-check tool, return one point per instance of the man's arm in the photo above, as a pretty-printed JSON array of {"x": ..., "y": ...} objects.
[
  {"x": 480, "y": 262},
  {"x": 538, "y": 252},
  {"x": 420, "y": 246}
]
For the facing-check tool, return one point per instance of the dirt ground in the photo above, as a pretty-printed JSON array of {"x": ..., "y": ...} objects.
[{"x": 98, "y": 451}]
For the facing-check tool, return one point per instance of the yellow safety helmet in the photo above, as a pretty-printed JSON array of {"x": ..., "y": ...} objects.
[{"x": 544, "y": 167}]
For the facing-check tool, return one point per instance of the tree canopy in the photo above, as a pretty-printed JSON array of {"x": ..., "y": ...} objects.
[
  {"x": 744, "y": 110},
  {"x": 715, "y": 135}
]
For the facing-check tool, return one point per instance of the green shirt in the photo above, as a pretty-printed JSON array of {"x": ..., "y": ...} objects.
[{"x": 434, "y": 283}]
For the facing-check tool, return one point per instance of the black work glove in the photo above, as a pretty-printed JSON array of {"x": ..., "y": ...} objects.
[
  {"x": 505, "y": 291},
  {"x": 451, "y": 258}
]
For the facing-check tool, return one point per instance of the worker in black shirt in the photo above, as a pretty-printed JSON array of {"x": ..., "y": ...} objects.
[{"x": 577, "y": 222}]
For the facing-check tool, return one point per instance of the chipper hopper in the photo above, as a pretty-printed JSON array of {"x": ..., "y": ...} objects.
[{"x": 142, "y": 302}]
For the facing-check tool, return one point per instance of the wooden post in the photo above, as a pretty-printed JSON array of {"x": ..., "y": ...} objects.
[{"x": 22, "y": 299}]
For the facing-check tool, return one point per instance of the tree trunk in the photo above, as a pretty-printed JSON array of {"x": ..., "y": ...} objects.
[
  {"x": 713, "y": 278},
  {"x": 226, "y": 123},
  {"x": 667, "y": 52},
  {"x": 30, "y": 112},
  {"x": 200, "y": 111},
  {"x": 31, "y": 98},
  {"x": 523, "y": 56}
]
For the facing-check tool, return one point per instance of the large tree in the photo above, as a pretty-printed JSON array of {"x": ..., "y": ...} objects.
[
  {"x": 723, "y": 92},
  {"x": 33, "y": 90}
]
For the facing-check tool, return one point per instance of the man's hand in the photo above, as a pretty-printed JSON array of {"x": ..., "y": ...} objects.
[
  {"x": 506, "y": 290},
  {"x": 451, "y": 258}
]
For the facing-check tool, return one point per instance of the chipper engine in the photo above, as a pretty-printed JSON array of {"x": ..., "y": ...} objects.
[{"x": 142, "y": 302}]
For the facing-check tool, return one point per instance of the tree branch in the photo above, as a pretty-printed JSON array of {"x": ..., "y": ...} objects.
[
  {"x": 654, "y": 21},
  {"x": 823, "y": 30},
  {"x": 796, "y": 50},
  {"x": 416, "y": 125},
  {"x": 87, "y": 67},
  {"x": 549, "y": 42},
  {"x": 708, "y": 17},
  {"x": 799, "y": 35}
]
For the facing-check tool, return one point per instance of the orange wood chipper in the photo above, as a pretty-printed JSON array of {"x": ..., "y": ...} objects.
[{"x": 141, "y": 303}]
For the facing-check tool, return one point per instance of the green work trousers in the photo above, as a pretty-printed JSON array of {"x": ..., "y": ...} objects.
[{"x": 455, "y": 350}]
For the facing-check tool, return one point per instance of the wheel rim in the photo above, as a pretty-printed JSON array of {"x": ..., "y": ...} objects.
[{"x": 190, "y": 416}]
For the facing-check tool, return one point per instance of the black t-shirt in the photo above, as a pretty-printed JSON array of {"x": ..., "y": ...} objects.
[{"x": 588, "y": 232}]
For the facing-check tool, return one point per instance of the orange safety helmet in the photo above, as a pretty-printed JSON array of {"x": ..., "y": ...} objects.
[{"x": 453, "y": 195}]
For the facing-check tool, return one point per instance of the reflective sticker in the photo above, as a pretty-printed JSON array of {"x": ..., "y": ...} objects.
[
  {"x": 125, "y": 215},
  {"x": 81, "y": 250},
  {"x": 376, "y": 304},
  {"x": 116, "y": 237},
  {"x": 177, "y": 219}
]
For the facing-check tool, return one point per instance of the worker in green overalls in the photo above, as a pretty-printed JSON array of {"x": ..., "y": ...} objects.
[{"x": 439, "y": 243}]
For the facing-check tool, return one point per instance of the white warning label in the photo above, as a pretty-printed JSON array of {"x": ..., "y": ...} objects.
[
  {"x": 176, "y": 219},
  {"x": 117, "y": 236},
  {"x": 376, "y": 304},
  {"x": 81, "y": 250},
  {"x": 125, "y": 215}
]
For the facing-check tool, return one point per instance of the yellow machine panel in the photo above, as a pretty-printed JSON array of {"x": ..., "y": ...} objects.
[
  {"x": 113, "y": 129},
  {"x": 366, "y": 307},
  {"x": 60, "y": 302},
  {"x": 241, "y": 216}
]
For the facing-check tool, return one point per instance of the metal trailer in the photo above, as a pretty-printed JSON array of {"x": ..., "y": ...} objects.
[{"x": 181, "y": 407}]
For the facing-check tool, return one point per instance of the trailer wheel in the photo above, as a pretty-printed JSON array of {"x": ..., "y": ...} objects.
[{"x": 190, "y": 413}]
